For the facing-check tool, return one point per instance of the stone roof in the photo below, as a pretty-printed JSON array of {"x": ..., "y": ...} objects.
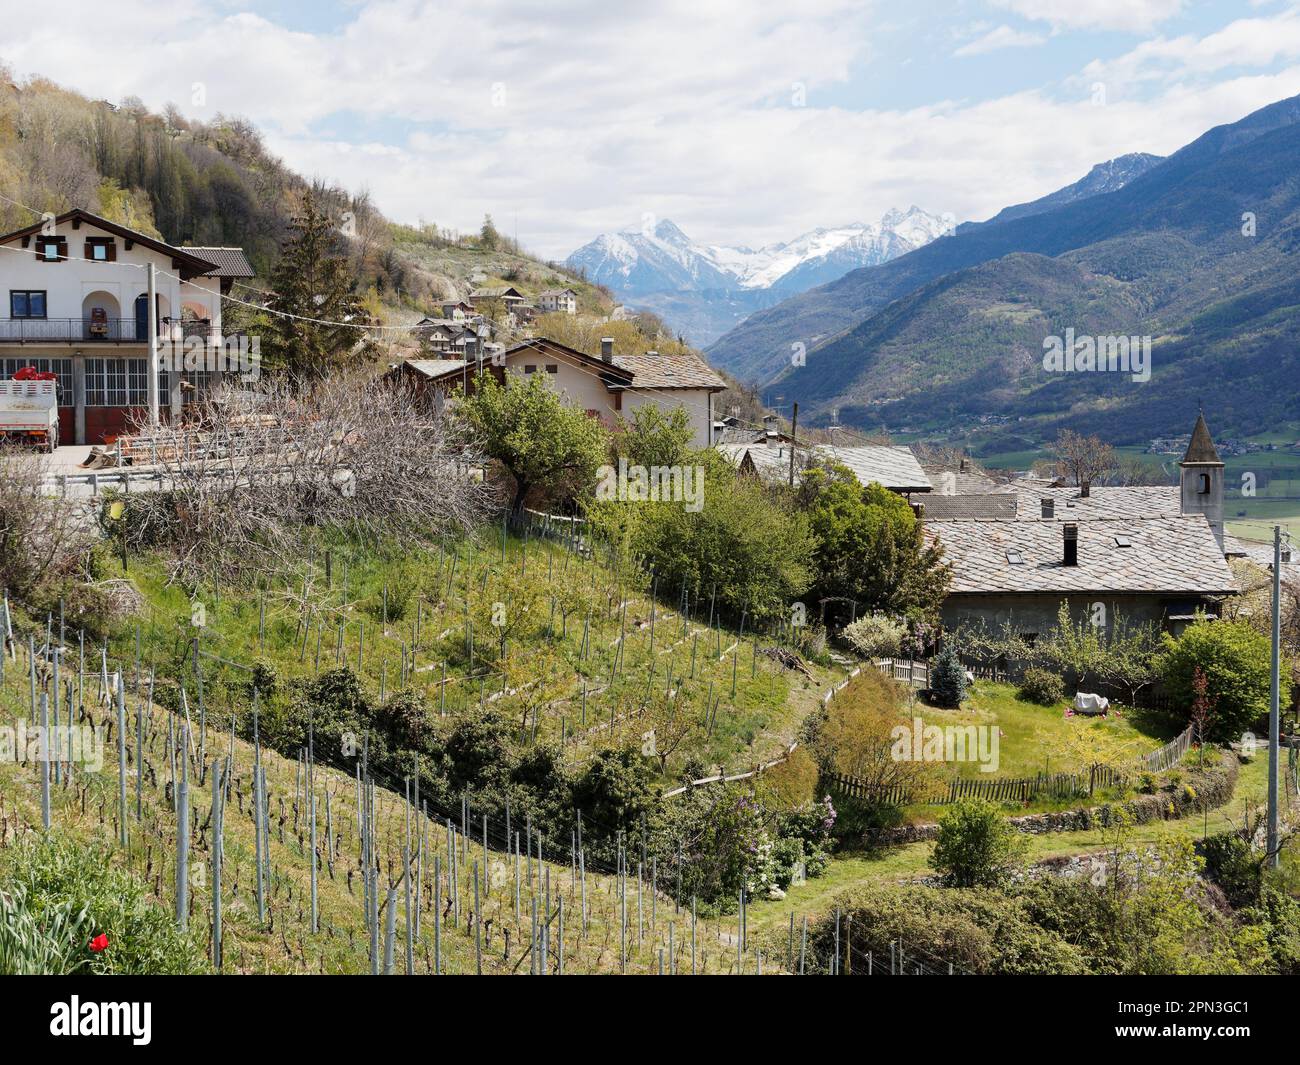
[
  {"x": 1167, "y": 555},
  {"x": 770, "y": 463},
  {"x": 1140, "y": 501},
  {"x": 669, "y": 371},
  {"x": 952, "y": 480},
  {"x": 230, "y": 262},
  {"x": 890, "y": 466},
  {"x": 505, "y": 292},
  {"x": 436, "y": 367},
  {"x": 1201, "y": 446},
  {"x": 737, "y": 434},
  {"x": 999, "y": 505}
]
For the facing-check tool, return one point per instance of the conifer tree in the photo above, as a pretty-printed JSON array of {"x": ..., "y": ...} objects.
[{"x": 314, "y": 283}]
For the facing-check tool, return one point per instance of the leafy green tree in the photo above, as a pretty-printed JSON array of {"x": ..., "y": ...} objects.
[
  {"x": 317, "y": 308},
  {"x": 756, "y": 552},
  {"x": 542, "y": 441},
  {"x": 1236, "y": 662},
  {"x": 654, "y": 437},
  {"x": 976, "y": 845},
  {"x": 869, "y": 546}
]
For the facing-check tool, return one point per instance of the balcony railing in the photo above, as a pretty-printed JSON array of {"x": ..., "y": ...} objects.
[{"x": 88, "y": 331}]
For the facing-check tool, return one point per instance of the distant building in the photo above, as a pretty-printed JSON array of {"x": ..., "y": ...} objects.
[
  {"x": 768, "y": 457},
  {"x": 456, "y": 309},
  {"x": 558, "y": 300},
  {"x": 606, "y": 386}
]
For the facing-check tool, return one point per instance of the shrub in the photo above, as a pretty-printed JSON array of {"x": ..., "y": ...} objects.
[
  {"x": 265, "y": 681},
  {"x": 976, "y": 846},
  {"x": 1230, "y": 864},
  {"x": 948, "y": 679},
  {"x": 1042, "y": 686},
  {"x": 1235, "y": 660},
  {"x": 979, "y": 931},
  {"x": 876, "y": 635}
]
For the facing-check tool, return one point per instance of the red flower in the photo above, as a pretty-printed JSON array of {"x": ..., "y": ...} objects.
[{"x": 100, "y": 942}]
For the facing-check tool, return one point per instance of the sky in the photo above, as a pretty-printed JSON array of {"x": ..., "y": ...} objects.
[{"x": 744, "y": 121}]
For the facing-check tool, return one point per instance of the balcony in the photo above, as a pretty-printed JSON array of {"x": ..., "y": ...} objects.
[{"x": 100, "y": 331}]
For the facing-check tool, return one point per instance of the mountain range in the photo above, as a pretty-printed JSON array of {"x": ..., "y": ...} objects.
[
  {"x": 1196, "y": 251},
  {"x": 702, "y": 290}
]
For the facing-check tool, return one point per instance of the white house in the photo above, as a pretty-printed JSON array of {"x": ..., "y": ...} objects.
[
  {"x": 558, "y": 300},
  {"x": 75, "y": 302},
  {"x": 606, "y": 386}
]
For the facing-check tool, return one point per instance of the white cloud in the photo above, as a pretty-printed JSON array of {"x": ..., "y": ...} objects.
[
  {"x": 1245, "y": 43},
  {"x": 1002, "y": 37},
  {"x": 608, "y": 114},
  {"x": 1133, "y": 15}
]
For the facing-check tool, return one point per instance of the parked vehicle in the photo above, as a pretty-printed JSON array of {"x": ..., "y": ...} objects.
[{"x": 29, "y": 410}]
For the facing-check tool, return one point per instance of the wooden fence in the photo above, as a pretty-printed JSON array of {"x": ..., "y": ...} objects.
[
  {"x": 1015, "y": 789},
  {"x": 915, "y": 674}
]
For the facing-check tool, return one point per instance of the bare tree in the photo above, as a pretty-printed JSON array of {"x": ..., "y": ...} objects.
[
  {"x": 41, "y": 537},
  {"x": 1082, "y": 458},
  {"x": 255, "y": 474}
]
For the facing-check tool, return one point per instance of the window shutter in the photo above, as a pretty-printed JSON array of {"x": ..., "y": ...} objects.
[{"x": 112, "y": 251}]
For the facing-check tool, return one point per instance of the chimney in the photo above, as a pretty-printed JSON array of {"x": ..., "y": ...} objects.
[
  {"x": 961, "y": 467},
  {"x": 1085, "y": 489},
  {"x": 607, "y": 349},
  {"x": 1071, "y": 545},
  {"x": 1049, "y": 508}
]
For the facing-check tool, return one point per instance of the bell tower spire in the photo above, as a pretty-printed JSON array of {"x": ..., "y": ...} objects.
[{"x": 1201, "y": 476}]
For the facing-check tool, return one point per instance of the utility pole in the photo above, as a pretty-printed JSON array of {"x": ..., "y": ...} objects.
[
  {"x": 153, "y": 347},
  {"x": 794, "y": 425},
  {"x": 1274, "y": 855}
]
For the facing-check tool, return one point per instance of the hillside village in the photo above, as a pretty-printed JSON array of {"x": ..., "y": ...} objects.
[{"x": 491, "y": 630}]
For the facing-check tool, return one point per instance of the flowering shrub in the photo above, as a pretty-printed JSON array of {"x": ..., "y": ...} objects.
[{"x": 876, "y": 635}]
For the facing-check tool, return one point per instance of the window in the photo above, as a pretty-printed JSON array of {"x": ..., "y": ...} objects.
[
  {"x": 1015, "y": 558},
  {"x": 530, "y": 369},
  {"x": 1123, "y": 541},
  {"x": 101, "y": 249},
  {"x": 51, "y": 249},
  {"x": 26, "y": 303},
  {"x": 121, "y": 383},
  {"x": 1203, "y": 484},
  {"x": 552, "y": 368}
]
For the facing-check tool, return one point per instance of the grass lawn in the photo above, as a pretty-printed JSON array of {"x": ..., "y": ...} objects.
[{"x": 1034, "y": 738}]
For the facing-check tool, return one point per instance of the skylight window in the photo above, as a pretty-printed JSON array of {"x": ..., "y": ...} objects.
[
  {"x": 1015, "y": 558},
  {"x": 1123, "y": 541}
]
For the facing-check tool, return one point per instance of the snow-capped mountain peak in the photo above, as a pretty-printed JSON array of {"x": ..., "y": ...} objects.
[{"x": 665, "y": 259}]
